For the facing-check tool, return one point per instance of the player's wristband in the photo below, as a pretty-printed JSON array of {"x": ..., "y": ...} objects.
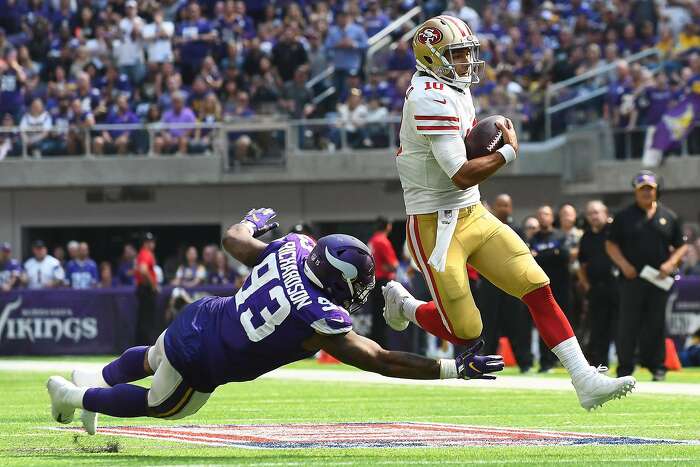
[
  {"x": 508, "y": 153},
  {"x": 448, "y": 368},
  {"x": 249, "y": 225}
]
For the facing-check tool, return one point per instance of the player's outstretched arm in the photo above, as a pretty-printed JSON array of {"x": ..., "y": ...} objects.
[
  {"x": 363, "y": 353},
  {"x": 240, "y": 240},
  {"x": 477, "y": 170}
]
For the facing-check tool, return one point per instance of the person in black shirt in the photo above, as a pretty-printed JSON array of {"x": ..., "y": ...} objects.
[
  {"x": 503, "y": 314},
  {"x": 644, "y": 233},
  {"x": 598, "y": 282},
  {"x": 551, "y": 251}
]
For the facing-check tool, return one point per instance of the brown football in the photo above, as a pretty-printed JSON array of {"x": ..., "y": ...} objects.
[{"x": 485, "y": 138}]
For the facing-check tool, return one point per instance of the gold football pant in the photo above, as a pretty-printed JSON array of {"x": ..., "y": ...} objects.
[{"x": 483, "y": 241}]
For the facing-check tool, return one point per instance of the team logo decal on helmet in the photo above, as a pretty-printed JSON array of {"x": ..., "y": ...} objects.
[
  {"x": 429, "y": 36},
  {"x": 349, "y": 271}
]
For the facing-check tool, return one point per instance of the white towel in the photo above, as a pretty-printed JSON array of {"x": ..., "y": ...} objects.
[{"x": 446, "y": 223}]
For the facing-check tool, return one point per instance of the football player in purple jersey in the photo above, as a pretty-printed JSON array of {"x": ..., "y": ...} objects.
[{"x": 297, "y": 300}]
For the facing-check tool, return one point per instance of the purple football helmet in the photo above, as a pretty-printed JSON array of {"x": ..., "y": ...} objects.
[{"x": 343, "y": 267}]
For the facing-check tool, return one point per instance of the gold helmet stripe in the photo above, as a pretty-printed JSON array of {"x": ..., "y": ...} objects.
[
  {"x": 455, "y": 22},
  {"x": 451, "y": 26}
]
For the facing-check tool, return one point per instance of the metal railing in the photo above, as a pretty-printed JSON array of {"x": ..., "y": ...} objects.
[
  {"x": 247, "y": 142},
  {"x": 577, "y": 92},
  {"x": 374, "y": 44},
  {"x": 383, "y": 38},
  {"x": 269, "y": 140}
]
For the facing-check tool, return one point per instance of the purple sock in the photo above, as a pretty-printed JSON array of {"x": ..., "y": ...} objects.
[
  {"x": 122, "y": 400},
  {"x": 127, "y": 368}
]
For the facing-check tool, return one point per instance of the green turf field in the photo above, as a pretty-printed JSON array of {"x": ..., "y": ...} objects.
[{"x": 24, "y": 412}]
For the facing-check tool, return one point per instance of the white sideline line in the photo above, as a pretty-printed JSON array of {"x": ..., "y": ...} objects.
[{"x": 342, "y": 376}]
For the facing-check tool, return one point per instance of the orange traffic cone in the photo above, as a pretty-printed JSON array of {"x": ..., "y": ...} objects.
[
  {"x": 506, "y": 351},
  {"x": 325, "y": 357},
  {"x": 672, "y": 363}
]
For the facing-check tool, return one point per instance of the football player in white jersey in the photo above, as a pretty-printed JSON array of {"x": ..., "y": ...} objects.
[{"x": 447, "y": 226}]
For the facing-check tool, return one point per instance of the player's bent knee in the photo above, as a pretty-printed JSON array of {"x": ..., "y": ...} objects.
[
  {"x": 535, "y": 278},
  {"x": 469, "y": 331},
  {"x": 180, "y": 405}
]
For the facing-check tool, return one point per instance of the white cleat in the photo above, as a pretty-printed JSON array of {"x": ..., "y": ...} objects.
[
  {"x": 594, "y": 388},
  {"x": 87, "y": 379},
  {"x": 61, "y": 409},
  {"x": 395, "y": 295}
]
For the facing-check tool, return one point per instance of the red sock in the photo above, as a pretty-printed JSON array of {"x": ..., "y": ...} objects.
[
  {"x": 429, "y": 319},
  {"x": 550, "y": 321}
]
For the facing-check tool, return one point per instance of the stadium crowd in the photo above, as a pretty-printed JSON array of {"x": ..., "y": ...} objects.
[
  {"x": 71, "y": 266},
  {"x": 66, "y": 65}
]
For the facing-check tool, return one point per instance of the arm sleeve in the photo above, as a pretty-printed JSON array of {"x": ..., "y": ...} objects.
[
  {"x": 677, "y": 237},
  {"x": 325, "y": 317},
  {"x": 58, "y": 273},
  {"x": 615, "y": 230},
  {"x": 449, "y": 151},
  {"x": 434, "y": 113},
  {"x": 391, "y": 254},
  {"x": 583, "y": 249}
]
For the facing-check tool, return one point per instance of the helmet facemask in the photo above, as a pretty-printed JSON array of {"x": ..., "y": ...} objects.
[
  {"x": 359, "y": 293},
  {"x": 462, "y": 57}
]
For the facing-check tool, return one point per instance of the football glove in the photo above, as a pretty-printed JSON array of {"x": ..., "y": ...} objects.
[
  {"x": 259, "y": 221},
  {"x": 473, "y": 366}
]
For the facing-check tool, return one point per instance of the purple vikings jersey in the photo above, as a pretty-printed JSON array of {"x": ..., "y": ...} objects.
[
  {"x": 8, "y": 270},
  {"x": 220, "y": 339},
  {"x": 81, "y": 274}
]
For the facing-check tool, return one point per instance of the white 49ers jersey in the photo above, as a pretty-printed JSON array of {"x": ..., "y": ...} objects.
[{"x": 432, "y": 108}]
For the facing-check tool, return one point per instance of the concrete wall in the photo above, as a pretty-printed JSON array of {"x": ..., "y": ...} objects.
[{"x": 222, "y": 204}]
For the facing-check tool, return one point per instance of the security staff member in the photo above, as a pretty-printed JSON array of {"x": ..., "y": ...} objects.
[
  {"x": 551, "y": 251},
  {"x": 501, "y": 313},
  {"x": 146, "y": 290},
  {"x": 596, "y": 277},
  {"x": 645, "y": 233}
]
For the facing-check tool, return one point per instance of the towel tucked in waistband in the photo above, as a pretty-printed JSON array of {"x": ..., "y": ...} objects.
[{"x": 446, "y": 224}]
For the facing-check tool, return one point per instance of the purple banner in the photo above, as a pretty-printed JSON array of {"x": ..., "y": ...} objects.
[
  {"x": 684, "y": 307},
  {"x": 75, "y": 322},
  {"x": 676, "y": 123},
  {"x": 687, "y": 295}
]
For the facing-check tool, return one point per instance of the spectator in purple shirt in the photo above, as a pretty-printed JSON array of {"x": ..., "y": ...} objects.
[
  {"x": 651, "y": 104},
  {"x": 375, "y": 18},
  {"x": 378, "y": 87},
  {"x": 10, "y": 269},
  {"x": 12, "y": 78},
  {"x": 195, "y": 37},
  {"x": 88, "y": 95},
  {"x": 125, "y": 271},
  {"x": 401, "y": 59},
  {"x": 629, "y": 44},
  {"x": 175, "y": 139},
  {"x": 114, "y": 83},
  {"x": 117, "y": 139},
  {"x": 81, "y": 272},
  {"x": 233, "y": 23}
]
